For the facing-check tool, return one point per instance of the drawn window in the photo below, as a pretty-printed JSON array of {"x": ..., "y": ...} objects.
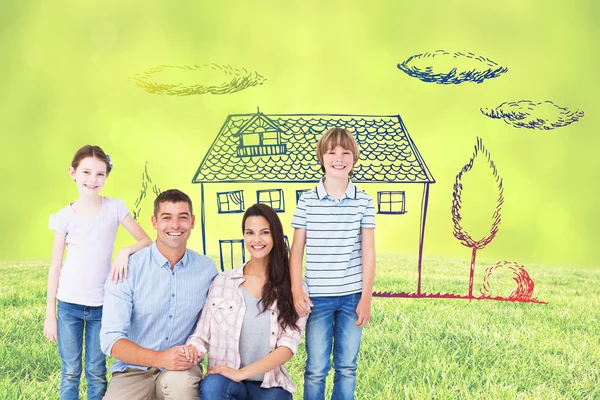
[
  {"x": 261, "y": 135},
  {"x": 251, "y": 139},
  {"x": 299, "y": 193},
  {"x": 391, "y": 202},
  {"x": 231, "y": 202},
  {"x": 273, "y": 198},
  {"x": 270, "y": 138}
]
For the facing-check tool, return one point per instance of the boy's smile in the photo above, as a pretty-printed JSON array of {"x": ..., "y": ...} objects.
[{"x": 338, "y": 162}]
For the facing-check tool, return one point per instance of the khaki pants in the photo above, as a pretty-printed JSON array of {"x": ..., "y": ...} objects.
[{"x": 154, "y": 384}]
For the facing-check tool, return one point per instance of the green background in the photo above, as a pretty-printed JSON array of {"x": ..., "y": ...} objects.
[{"x": 65, "y": 69}]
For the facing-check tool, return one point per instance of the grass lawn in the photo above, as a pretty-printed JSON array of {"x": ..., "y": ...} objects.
[{"x": 413, "y": 348}]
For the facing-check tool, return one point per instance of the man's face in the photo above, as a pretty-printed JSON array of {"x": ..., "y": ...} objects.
[{"x": 173, "y": 224}]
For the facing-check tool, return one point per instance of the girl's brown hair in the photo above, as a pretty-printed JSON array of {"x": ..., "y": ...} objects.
[{"x": 91, "y": 151}]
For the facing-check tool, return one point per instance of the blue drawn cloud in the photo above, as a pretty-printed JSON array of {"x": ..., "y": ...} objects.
[
  {"x": 183, "y": 80},
  {"x": 526, "y": 114},
  {"x": 451, "y": 68}
]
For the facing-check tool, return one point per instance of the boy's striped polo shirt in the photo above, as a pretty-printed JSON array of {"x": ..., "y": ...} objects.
[{"x": 333, "y": 238}]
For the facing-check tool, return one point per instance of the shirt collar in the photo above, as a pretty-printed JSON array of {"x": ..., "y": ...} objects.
[
  {"x": 350, "y": 190},
  {"x": 238, "y": 273},
  {"x": 162, "y": 260}
]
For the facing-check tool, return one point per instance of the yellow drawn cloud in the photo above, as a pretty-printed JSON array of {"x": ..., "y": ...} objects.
[{"x": 184, "y": 80}]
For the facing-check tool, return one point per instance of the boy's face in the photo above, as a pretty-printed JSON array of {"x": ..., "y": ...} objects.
[{"x": 338, "y": 162}]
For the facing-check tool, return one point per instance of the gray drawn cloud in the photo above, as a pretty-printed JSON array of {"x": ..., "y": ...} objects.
[
  {"x": 526, "y": 114},
  {"x": 184, "y": 80},
  {"x": 447, "y": 68}
]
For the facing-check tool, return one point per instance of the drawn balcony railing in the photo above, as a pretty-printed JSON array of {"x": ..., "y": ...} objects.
[{"x": 262, "y": 150}]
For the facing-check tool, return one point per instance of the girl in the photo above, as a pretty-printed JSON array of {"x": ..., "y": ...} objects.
[
  {"x": 249, "y": 325},
  {"x": 88, "y": 229}
]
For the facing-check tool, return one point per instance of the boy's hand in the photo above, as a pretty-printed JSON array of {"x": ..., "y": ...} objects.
[
  {"x": 50, "y": 329},
  {"x": 118, "y": 270},
  {"x": 363, "y": 310},
  {"x": 302, "y": 302}
]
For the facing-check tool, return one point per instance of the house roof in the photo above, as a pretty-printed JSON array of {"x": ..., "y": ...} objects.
[{"x": 387, "y": 152}]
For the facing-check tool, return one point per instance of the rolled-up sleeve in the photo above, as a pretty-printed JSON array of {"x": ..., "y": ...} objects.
[
  {"x": 291, "y": 337},
  {"x": 116, "y": 313}
]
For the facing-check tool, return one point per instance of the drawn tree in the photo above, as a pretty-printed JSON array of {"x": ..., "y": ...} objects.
[
  {"x": 146, "y": 182},
  {"x": 462, "y": 233}
]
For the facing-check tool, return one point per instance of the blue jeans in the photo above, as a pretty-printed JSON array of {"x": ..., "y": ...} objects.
[
  {"x": 218, "y": 387},
  {"x": 73, "y": 320},
  {"x": 332, "y": 318}
]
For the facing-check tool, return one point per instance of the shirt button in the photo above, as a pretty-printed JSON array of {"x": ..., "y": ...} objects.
[
  {"x": 173, "y": 295},
  {"x": 170, "y": 316},
  {"x": 173, "y": 273},
  {"x": 272, "y": 313},
  {"x": 167, "y": 338},
  {"x": 272, "y": 333}
]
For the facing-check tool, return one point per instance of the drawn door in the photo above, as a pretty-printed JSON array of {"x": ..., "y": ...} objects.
[{"x": 232, "y": 253}]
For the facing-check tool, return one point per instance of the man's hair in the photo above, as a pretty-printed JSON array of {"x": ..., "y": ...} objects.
[
  {"x": 337, "y": 137},
  {"x": 172, "y": 196}
]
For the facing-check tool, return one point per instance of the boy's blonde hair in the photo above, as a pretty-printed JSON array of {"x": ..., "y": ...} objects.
[{"x": 337, "y": 137}]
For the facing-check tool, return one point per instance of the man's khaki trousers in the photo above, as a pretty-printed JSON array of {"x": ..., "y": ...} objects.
[{"x": 154, "y": 384}]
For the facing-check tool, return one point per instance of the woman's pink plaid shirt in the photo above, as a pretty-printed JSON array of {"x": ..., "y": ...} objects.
[{"x": 218, "y": 330}]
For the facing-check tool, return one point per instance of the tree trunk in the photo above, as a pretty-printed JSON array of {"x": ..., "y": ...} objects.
[{"x": 472, "y": 272}]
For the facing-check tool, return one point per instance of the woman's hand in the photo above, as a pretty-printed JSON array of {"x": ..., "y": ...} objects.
[
  {"x": 191, "y": 353},
  {"x": 118, "y": 270},
  {"x": 235, "y": 375}
]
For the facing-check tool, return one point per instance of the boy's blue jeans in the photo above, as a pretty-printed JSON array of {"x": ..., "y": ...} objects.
[
  {"x": 73, "y": 321},
  {"x": 217, "y": 386},
  {"x": 332, "y": 318}
]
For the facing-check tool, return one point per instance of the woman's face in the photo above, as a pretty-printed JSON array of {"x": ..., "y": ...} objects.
[{"x": 257, "y": 237}]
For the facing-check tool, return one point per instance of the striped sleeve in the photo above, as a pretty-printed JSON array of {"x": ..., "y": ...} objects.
[
  {"x": 299, "y": 219},
  {"x": 368, "y": 219}
]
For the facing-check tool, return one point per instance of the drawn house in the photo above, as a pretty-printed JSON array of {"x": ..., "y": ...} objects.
[{"x": 271, "y": 159}]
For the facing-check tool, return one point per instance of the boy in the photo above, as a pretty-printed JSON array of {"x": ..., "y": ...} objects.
[{"x": 335, "y": 222}]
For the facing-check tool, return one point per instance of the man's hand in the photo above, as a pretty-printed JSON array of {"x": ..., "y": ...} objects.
[
  {"x": 363, "y": 310},
  {"x": 302, "y": 302},
  {"x": 179, "y": 358},
  {"x": 235, "y": 375}
]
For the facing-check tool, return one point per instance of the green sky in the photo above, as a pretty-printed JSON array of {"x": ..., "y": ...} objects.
[{"x": 65, "y": 70}]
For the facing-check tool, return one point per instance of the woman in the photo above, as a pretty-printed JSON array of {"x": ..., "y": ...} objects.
[{"x": 249, "y": 325}]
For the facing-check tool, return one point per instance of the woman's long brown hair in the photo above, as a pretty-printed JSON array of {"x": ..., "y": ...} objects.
[{"x": 278, "y": 286}]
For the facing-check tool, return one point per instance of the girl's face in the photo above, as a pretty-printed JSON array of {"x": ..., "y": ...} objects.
[
  {"x": 257, "y": 237},
  {"x": 89, "y": 176}
]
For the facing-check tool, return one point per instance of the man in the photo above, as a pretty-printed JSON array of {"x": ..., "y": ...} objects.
[{"x": 149, "y": 316}]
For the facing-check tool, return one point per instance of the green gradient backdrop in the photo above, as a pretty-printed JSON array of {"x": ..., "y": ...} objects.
[{"x": 65, "y": 67}]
